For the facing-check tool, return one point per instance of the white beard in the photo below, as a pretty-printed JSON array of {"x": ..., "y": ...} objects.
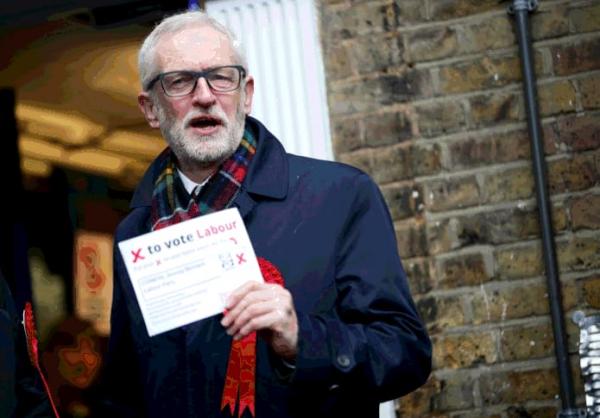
[{"x": 203, "y": 149}]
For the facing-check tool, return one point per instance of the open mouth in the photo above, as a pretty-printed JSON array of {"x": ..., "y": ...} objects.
[{"x": 205, "y": 122}]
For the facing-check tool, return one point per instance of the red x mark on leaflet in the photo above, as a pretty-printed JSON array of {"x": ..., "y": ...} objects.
[
  {"x": 137, "y": 255},
  {"x": 240, "y": 258}
]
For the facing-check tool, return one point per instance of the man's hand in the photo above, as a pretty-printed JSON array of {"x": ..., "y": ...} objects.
[{"x": 268, "y": 309}]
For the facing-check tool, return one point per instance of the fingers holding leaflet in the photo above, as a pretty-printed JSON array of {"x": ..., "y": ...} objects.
[{"x": 266, "y": 308}]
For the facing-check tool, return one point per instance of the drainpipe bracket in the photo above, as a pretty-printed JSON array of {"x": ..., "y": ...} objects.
[
  {"x": 519, "y": 5},
  {"x": 572, "y": 413}
]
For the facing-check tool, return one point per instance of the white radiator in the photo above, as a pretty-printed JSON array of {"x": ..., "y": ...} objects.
[{"x": 281, "y": 41}]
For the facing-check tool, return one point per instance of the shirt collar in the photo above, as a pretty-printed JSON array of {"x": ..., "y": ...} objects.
[{"x": 190, "y": 185}]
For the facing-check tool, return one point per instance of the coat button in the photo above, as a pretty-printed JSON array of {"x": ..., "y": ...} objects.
[{"x": 343, "y": 360}]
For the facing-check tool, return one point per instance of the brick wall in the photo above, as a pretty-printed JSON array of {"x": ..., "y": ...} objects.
[{"x": 425, "y": 95}]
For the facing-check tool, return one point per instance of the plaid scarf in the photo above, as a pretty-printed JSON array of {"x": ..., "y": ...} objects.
[{"x": 172, "y": 204}]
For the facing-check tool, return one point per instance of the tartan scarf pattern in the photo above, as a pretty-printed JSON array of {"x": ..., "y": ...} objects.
[{"x": 172, "y": 204}]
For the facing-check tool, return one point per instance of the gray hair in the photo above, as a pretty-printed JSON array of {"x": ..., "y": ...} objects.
[{"x": 174, "y": 24}]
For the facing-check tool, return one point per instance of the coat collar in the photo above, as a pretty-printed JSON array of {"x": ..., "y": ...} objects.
[{"x": 267, "y": 176}]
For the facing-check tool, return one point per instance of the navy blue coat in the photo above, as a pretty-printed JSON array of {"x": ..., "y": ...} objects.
[{"x": 326, "y": 227}]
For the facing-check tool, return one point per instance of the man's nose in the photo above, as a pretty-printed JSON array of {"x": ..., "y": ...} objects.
[{"x": 202, "y": 94}]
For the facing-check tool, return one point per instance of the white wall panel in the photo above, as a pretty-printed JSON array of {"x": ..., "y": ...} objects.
[{"x": 281, "y": 42}]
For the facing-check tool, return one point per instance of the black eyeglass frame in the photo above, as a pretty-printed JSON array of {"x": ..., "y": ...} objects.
[{"x": 197, "y": 75}]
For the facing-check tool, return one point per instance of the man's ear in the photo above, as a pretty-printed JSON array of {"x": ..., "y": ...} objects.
[
  {"x": 148, "y": 108},
  {"x": 249, "y": 90}
]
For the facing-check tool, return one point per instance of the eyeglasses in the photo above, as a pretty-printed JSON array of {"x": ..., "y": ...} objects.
[{"x": 181, "y": 83}]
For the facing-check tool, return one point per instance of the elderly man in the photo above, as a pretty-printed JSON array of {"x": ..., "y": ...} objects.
[{"x": 339, "y": 337}]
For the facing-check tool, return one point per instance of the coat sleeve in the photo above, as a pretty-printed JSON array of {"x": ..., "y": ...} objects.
[{"x": 372, "y": 341}]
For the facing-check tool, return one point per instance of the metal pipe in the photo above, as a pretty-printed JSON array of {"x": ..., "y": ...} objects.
[{"x": 521, "y": 9}]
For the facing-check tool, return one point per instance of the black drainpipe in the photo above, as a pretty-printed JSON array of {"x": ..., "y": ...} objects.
[{"x": 520, "y": 9}]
